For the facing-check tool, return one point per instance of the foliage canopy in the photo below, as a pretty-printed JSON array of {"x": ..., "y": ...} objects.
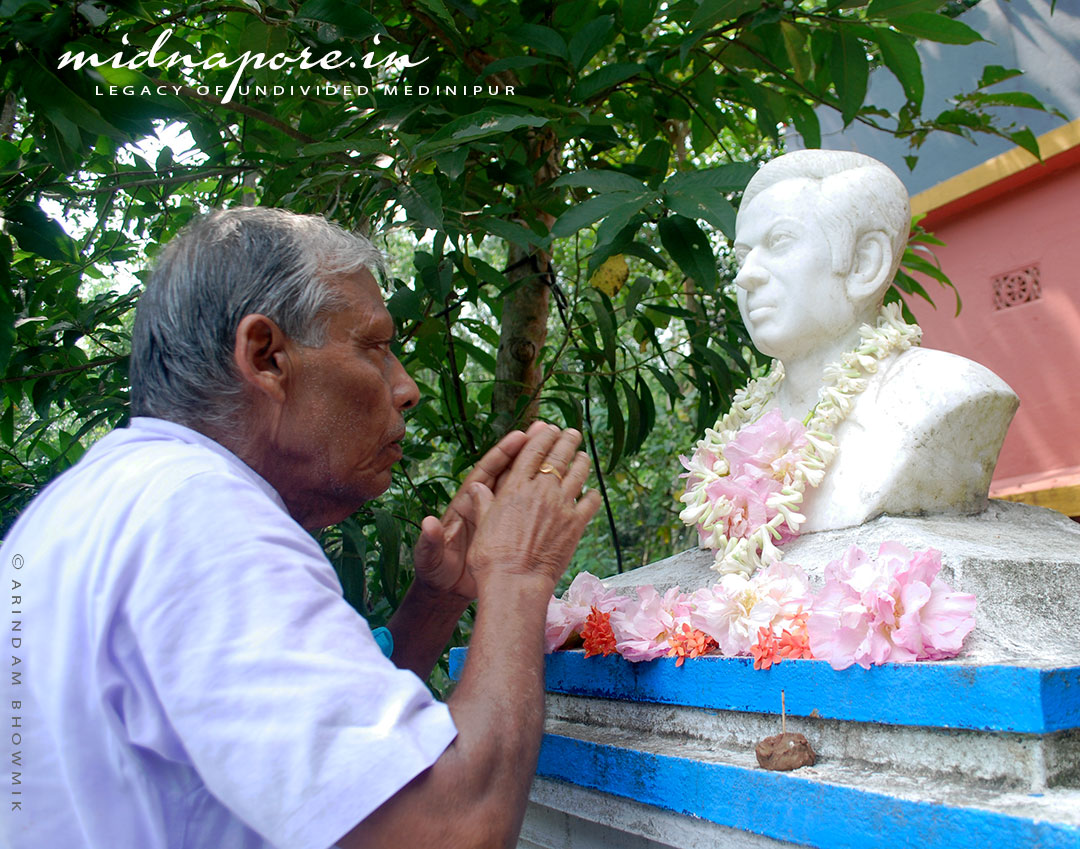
[{"x": 599, "y": 142}]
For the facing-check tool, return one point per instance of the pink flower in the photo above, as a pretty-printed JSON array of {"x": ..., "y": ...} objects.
[
  {"x": 892, "y": 608},
  {"x": 768, "y": 448},
  {"x": 748, "y": 497},
  {"x": 734, "y": 610},
  {"x": 567, "y": 615},
  {"x": 642, "y": 627}
]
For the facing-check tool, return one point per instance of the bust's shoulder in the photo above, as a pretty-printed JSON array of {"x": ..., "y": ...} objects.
[{"x": 938, "y": 375}]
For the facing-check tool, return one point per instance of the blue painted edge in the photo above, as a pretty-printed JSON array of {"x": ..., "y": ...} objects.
[
  {"x": 940, "y": 695},
  {"x": 784, "y": 806}
]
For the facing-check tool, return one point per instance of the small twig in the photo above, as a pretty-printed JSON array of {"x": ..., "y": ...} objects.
[
  {"x": 600, "y": 480},
  {"x": 84, "y": 367},
  {"x": 455, "y": 376},
  {"x": 783, "y": 714}
]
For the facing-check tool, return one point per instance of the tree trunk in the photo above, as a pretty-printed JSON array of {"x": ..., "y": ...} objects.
[
  {"x": 516, "y": 398},
  {"x": 521, "y": 336}
]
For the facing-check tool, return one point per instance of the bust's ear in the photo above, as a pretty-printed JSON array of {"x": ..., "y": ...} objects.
[
  {"x": 261, "y": 355},
  {"x": 871, "y": 266}
]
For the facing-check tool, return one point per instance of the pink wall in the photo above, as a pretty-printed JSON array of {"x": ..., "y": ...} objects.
[{"x": 1035, "y": 346}]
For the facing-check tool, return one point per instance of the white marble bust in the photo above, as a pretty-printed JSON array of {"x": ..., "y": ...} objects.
[{"x": 819, "y": 238}]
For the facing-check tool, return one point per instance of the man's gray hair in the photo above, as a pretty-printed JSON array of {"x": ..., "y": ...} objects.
[
  {"x": 222, "y": 267},
  {"x": 858, "y": 194}
]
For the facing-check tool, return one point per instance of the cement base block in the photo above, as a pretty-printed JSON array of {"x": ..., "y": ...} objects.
[{"x": 1021, "y": 562}]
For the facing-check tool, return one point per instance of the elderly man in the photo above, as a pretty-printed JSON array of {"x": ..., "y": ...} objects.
[
  {"x": 193, "y": 677},
  {"x": 819, "y": 237}
]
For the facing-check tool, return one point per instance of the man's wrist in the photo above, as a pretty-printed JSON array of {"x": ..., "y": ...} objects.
[
  {"x": 438, "y": 600},
  {"x": 519, "y": 584}
]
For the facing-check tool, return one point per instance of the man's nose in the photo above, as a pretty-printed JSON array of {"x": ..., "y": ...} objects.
[
  {"x": 751, "y": 274},
  {"x": 406, "y": 392}
]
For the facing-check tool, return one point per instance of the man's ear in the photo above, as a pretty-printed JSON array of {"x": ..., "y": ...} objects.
[
  {"x": 871, "y": 266},
  {"x": 261, "y": 355}
]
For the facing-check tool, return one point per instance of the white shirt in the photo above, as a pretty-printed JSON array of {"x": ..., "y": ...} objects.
[{"x": 190, "y": 673}]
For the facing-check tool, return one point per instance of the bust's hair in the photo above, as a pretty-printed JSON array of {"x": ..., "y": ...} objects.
[
  {"x": 857, "y": 194},
  {"x": 222, "y": 267}
]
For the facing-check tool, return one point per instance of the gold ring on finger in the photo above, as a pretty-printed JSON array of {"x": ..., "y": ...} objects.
[{"x": 548, "y": 469}]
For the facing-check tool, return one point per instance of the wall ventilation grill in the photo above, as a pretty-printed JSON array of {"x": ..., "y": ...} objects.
[{"x": 1017, "y": 287}]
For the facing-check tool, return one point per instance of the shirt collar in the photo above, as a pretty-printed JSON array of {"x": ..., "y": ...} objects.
[{"x": 154, "y": 427}]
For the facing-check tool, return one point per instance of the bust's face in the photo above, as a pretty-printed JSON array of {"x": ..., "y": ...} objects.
[{"x": 789, "y": 296}]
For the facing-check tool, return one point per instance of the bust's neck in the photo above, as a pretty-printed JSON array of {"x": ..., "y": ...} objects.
[{"x": 798, "y": 392}]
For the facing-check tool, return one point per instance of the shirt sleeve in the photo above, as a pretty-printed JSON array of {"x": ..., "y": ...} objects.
[{"x": 273, "y": 685}]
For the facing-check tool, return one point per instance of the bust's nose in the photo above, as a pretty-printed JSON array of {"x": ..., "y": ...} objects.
[{"x": 751, "y": 274}]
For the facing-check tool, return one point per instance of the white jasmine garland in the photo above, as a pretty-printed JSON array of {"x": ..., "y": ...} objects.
[{"x": 842, "y": 382}]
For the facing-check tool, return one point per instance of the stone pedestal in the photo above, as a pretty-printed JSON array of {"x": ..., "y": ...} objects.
[{"x": 980, "y": 750}]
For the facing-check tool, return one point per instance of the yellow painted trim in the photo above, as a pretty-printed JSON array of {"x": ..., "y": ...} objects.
[
  {"x": 1064, "y": 499},
  {"x": 1004, "y": 165}
]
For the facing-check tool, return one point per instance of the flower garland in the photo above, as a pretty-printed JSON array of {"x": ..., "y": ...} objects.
[
  {"x": 748, "y": 474},
  {"x": 871, "y": 610}
]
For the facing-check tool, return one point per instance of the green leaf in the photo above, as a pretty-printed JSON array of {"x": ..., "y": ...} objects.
[
  {"x": 690, "y": 249},
  {"x": 604, "y": 78},
  {"x": 724, "y": 178},
  {"x": 521, "y": 236},
  {"x": 541, "y": 38},
  {"x": 901, "y": 57},
  {"x": 478, "y": 125},
  {"x": 588, "y": 40},
  {"x": 616, "y": 422},
  {"x": 937, "y": 28},
  {"x": 1026, "y": 139},
  {"x": 711, "y": 12},
  {"x": 8, "y": 152},
  {"x": 39, "y": 234},
  {"x": 611, "y": 230},
  {"x": 669, "y": 384},
  {"x": 511, "y": 63},
  {"x": 994, "y": 74},
  {"x": 62, "y": 105},
  {"x": 635, "y": 292},
  {"x": 7, "y": 424},
  {"x": 648, "y": 408},
  {"x": 638, "y": 14},
  {"x": 706, "y": 205},
  {"x": 423, "y": 201},
  {"x": 605, "y": 322},
  {"x": 806, "y": 121},
  {"x": 797, "y": 53},
  {"x": 7, "y": 330},
  {"x": 601, "y": 180},
  {"x": 850, "y": 72},
  {"x": 438, "y": 10},
  {"x": 584, "y": 214},
  {"x": 389, "y": 534},
  {"x": 350, "y": 18},
  {"x": 890, "y": 9},
  {"x": 343, "y": 146},
  {"x": 1021, "y": 99},
  {"x": 634, "y": 433}
]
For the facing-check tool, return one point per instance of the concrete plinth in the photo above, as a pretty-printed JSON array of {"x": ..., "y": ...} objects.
[{"x": 983, "y": 749}]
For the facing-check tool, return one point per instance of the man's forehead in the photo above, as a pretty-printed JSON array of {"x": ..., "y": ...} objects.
[{"x": 363, "y": 298}]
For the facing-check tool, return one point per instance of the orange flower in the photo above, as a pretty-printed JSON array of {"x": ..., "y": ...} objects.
[
  {"x": 767, "y": 650},
  {"x": 795, "y": 644},
  {"x": 689, "y": 643},
  {"x": 597, "y": 634}
]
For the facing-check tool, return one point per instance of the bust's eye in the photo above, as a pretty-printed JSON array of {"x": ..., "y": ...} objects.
[{"x": 780, "y": 238}]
